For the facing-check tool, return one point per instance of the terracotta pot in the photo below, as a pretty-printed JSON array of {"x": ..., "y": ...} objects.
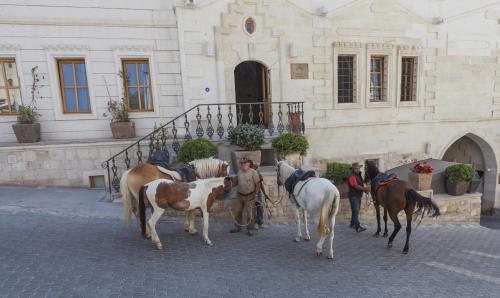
[
  {"x": 420, "y": 181},
  {"x": 123, "y": 130},
  {"x": 457, "y": 189},
  {"x": 27, "y": 133},
  {"x": 294, "y": 159},
  {"x": 255, "y": 156}
]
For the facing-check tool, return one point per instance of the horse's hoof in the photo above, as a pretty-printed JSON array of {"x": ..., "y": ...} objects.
[
  {"x": 389, "y": 245},
  {"x": 330, "y": 256},
  {"x": 193, "y": 232},
  {"x": 385, "y": 235},
  {"x": 297, "y": 239},
  {"x": 376, "y": 235},
  {"x": 209, "y": 243},
  {"x": 159, "y": 247},
  {"x": 405, "y": 252},
  {"x": 319, "y": 253},
  {"x": 307, "y": 238}
]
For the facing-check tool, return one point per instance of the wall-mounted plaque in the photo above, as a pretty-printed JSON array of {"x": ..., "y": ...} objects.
[{"x": 299, "y": 71}]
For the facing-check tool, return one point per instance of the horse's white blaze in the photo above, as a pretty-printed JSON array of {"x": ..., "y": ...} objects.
[{"x": 315, "y": 196}]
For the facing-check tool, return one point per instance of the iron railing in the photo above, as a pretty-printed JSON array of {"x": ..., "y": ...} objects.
[{"x": 211, "y": 121}]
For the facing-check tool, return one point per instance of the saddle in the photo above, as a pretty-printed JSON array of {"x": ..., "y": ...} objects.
[
  {"x": 160, "y": 158},
  {"x": 383, "y": 180},
  {"x": 296, "y": 177}
]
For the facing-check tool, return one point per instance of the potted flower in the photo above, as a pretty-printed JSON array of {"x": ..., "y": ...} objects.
[
  {"x": 27, "y": 130},
  {"x": 458, "y": 178},
  {"x": 121, "y": 126},
  {"x": 197, "y": 149},
  {"x": 420, "y": 176},
  {"x": 290, "y": 146},
  {"x": 338, "y": 173},
  {"x": 248, "y": 137}
]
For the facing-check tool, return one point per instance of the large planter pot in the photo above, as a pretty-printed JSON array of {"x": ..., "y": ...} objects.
[
  {"x": 255, "y": 156},
  {"x": 294, "y": 159},
  {"x": 420, "y": 181},
  {"x": 123, "y": 130},
  {"x": 457, "y": 189},
  {"x": 27, "y": 133}
]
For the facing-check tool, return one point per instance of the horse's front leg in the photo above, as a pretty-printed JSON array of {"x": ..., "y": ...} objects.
[
  {"x": 298, "y": 238},
  {"x": 308, "y": 236},
  {"x": 205, "y": 228}
]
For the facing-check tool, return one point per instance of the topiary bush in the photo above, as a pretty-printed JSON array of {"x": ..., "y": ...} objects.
[
  {"x": 290, "y": 143},
  {"x": 247, "y": 136},
  {"x": 197, "y": 149},
  {"x": 459, "y": 173},
  {"x": 338, "y": 172}
]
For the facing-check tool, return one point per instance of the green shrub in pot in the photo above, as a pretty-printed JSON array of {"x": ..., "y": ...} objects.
[
  {"x": 458, "y": 179},
  {"x": 197, "y": 149},
  {"x": 290, "y": 143}
]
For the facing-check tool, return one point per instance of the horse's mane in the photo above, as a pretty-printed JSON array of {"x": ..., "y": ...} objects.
[
  {"x": 372, "y": 170},
  {"x": 287, "y": 170},
  {"x": 207, "y": 167}
]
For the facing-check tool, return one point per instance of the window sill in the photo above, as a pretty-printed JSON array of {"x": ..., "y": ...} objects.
[
  {"x": 75, "y": 116},
  {"x": 4, "y": 118},
  {"x": 382, "y": 104},
  {"x": 347, "y": 106},
  {"x": 139, "y": 115},
  {"x": 408, "y": 104}
]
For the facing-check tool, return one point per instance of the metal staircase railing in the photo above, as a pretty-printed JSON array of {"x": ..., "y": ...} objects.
[{"x": 274, "y": 118}]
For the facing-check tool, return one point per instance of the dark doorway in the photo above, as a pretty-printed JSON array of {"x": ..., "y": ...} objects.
[{"x": 251, "y": 81}]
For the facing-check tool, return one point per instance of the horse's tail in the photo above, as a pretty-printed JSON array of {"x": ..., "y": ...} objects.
[
  {"x": 142, "y": 209},
  {"x": 330, "y": 206},
  {"x": 424, "y": 204},
  {"x": 127, "y": 197}
]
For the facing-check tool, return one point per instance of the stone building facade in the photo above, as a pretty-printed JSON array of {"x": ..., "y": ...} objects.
[{"x": 388, "y": 80}]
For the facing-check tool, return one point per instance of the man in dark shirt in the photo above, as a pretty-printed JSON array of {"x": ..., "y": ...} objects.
[{"x": 356, "y": 189}]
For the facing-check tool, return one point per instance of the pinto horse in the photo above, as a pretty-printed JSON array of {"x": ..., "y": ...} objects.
[
  {"x": 396, "y": 195},
  {"x": 313, "y": 195},
  {"x": 133, "y": 179},
  {"x": 163, "y": 193}
]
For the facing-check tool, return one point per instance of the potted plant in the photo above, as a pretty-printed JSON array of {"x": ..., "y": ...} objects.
[
  {"x": 338, "y": 173},
  {"x": 121, "y": 126},
  {"x": 290, "y": 146},
  {"x": 458, "y": 178},
  {"x": 420, "y": 176},
  {"x": 27, "y": 130},
  {"x": 248, "y": 137},
  {"x": 197, "y": 149}
]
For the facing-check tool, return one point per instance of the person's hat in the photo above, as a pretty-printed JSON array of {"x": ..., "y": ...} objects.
[
  {"x": 244, "y": 160},
  {"x": 355, "y": 165}
]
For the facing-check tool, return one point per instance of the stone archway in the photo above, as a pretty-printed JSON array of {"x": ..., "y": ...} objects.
[
  {"x": 474, "y": 150},
  {"x": 252, "y": 91}
]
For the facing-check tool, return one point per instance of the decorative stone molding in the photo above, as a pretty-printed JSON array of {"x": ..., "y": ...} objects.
[
  {"x": 380, "y": 46},
  {"x": 133, "y": 48},
  {"x": 410, "y": 47},
  {"x": 66, "y": 47},
  {"x": 9, "y": 47},
  {"x": 349, "y": 45}
]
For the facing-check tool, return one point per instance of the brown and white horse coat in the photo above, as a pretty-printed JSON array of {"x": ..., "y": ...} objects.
[{"x": 163, "y": 193}]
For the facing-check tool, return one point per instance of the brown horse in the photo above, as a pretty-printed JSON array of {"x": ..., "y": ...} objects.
[
  {"x": 133, "y": 179},
  {"x": 396, "y": 195}
]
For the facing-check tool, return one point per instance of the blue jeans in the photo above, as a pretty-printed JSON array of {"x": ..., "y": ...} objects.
[{"x": 355, "y": 207}]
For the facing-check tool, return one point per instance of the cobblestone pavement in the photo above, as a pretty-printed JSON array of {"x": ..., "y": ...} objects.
[{"x": 56, "y": 252}]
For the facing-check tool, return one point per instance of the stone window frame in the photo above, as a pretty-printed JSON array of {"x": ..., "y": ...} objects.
[
  {"x": 58, "y": 52},
  {"x": 124, "y": 52},
  {"x": 62, "y": 86},
  {"x": 14, "y": 51},
  {"x": 389, "y": 51},
  {"x": 355, "y": 49},
  {"x": 410, "y": 51}
]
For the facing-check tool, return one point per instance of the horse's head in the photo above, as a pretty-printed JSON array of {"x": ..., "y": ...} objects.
[{"x": 371, "y": 170}]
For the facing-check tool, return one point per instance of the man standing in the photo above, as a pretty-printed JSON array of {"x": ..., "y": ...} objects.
[
  {"x": 248, "y": 190},
  {"x": 356, "y": 189}
]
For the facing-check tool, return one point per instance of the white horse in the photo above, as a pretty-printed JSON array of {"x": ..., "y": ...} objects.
[
  {"x": 313, "y": 195},
  {"x": 163, "y": 193}
]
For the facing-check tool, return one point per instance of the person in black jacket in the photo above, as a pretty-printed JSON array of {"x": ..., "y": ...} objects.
[{"x": 356, "y": 189}]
